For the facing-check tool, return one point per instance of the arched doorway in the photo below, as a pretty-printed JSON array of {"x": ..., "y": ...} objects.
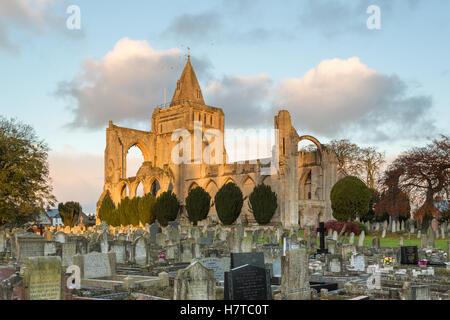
[{"x": 247, "y": 189}]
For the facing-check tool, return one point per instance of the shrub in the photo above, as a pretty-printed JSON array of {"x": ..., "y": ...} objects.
[
  {"x": 263, "y": 203},
  {"x": 228, "y": 201},
  {"x": 166, "y": 208},
  {"x": 146, "y": 209},
  {"x": 350, "y": 198},
  {"x": 123, "y": 211},
  {"x": 338, "y": 225},
  {"x": 198, "y": 203}
]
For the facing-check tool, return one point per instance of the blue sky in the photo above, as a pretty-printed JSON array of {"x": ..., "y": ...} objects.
[{"x": 251, "y": 57}]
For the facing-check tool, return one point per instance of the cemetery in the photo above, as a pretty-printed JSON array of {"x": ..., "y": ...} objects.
[{"x": 217, "y": 262}]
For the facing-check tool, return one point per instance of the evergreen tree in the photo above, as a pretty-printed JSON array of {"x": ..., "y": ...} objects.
[
  {"x": 146, "y": 209},
  {"x": 166, "y": 208},
  {"x": 263, "y": 203},
  {"x": 229, "y": 201},
  {"x": 198, "y": 203}
]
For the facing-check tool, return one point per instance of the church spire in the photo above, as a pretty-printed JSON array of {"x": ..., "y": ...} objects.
[{"x": 187, "y": 87}]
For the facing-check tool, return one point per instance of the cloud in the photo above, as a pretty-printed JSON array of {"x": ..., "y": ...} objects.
[
  {"x": 338, "y": 17},
  {"x": 345, "y": 96},
  {"x": 214, "y": 27},
  {"x": 202, "y": 26},
  {"x": 126, "y": 84},
  {"x": 35, "y": 16},
  {"x": 244, "y": 99},
  {"x": 76, "y": 176}
]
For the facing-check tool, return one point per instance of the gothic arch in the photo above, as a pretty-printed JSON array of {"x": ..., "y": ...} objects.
[
  {"x": 247, "y": 188},
  {"x": 303, "y": 195},
  {"x": 193, "y": 186},
  {"x": 228, "y": 180},
  {"x": 315, "y": 141}
]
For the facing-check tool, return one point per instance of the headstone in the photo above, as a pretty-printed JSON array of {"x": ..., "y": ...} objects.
[
  {"x": 322, "y": 230},
  {"x": 376, "y": 243},
  {"x": 394, "y": 229},
  {"x": 352, "y": 238},
  {"x": 409, "y": 255},
  {"x": 358, "y": 262},
  {"x": 423, "y": 241},
  {"x": 246, "y": 245},
  {"x": 96, "y": 265},
  {"x": 187, "y": 250},
  {"x": 383, "y": 234},
  {"x": 141, "y": 254},
  {"x": 400, "y": 241},
  {"x": 68, "y": 250},
  {"x": 154, "y": 230},
  {"x": 335, "y": 235},
  {"x": 43, "y": 279},
  {"x": 377, "y": 227},
  {"x": 215, "y": 264},
  {"x": 29, "y": 245},
  {"x": 331, "y": 246},
  {"x": 253, "y": 258},
  {"x": 334, "y": 263},
  {"x": 247, "y": 282},
  {"x": 402, "y": 227},
  {"x": 442, "y": 231},
  {"x": 294, "y": 275},
  {"x": 362, "y": 235},
  {"x": 60, "y": 237},
  {"x": 196, "y": 282},
  {"x": 417, "y": 292},
  {"x": 160, "y": 239},
  {"x": 50, "y": 248}
]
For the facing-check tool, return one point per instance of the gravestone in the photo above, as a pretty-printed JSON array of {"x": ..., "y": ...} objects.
[
  {"x": 383, "y": 234},
  {"x": 252, "y": 258},
  {"x": 334, "y": 263},
  {"x": 331, "y": 246},
  {"x": 376, "y": 243},
  {"x": 246, "y": 245},
  {"x": 335, "y": 235},
  {"x": 68, "y": 250},
  {"x": 141, "y": 254},
  {"x": 29, "y": 245},
  {"x": 43, "y": 279},
  {"x": 196, "y": 282},
  {"x": 154, "y": 230},
  {"x": 294, "y": 275},
  {"x": 119, "y": 248},
  {"x": 322, "y": 230},
  {"x": 161, "y": 239},
  {"x": 362, "y": 235},
  {"x": 352, "y": 238},
  {"x": 50, "y": 248},
  {"x": 409, "y": 255},
  {"x": 247, "y": 282},
  {"x": 96, "y": 265},
  {"x": 59, "y": 237},
  {"x": 358, "y": 262},
  {"x": 215, "y": 264},
  {"x": 187, "y": 250},
  {"x": 400, "y": 241}
]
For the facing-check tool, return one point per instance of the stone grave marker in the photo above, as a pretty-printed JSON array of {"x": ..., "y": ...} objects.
[
  {"x": 334, "y": 263},
  {"x": 43, "y": 279},
  {"x": 196, "y": 282},
  {"x": 376, "y": 243},
  {"x": 141, "y": 254},
  {"x": 247, "y": 282},
  {"x": 294, "y": 275},
  {"x": 409, "y": 255},
  {"x": 362, "y": 235},
  {"x": 68, "y": 250},
  {"x": 96, "y": 265},
  {"x": 119, "y": 248},
  {"x": 29, "y": 245},
  {"x": 154, "y": 230},
  {"x": 252, "y": 258},
  {"x": 215, "y": 264},
  {"x": 358, "y": 262}
]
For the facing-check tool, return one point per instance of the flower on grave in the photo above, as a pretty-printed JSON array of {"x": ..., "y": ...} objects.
[
  {"x": 161, "y": 256},
  {"x": 388, "y": 261}
]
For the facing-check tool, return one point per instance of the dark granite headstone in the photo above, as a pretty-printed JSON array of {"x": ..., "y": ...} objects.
[
  {"x": 205, "y": 241},
  {"x": 154, "y": 230},
  {"x": 247, "y": 283},
  {"x": 252, "y": 258},
  {"x": 409, "y": 255}
]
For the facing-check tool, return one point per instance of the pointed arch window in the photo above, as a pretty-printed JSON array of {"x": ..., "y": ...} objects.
[{"x": 155, "y": 188}]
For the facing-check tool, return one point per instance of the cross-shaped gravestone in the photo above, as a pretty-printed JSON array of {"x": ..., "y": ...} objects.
[{"x": 322, "y": 230}]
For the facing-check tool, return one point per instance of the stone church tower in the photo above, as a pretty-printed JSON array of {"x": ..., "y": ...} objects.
[{"x": 302, "y": 182}]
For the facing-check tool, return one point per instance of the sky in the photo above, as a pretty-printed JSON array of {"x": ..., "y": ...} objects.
[{"x": 386, "y": 87}]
